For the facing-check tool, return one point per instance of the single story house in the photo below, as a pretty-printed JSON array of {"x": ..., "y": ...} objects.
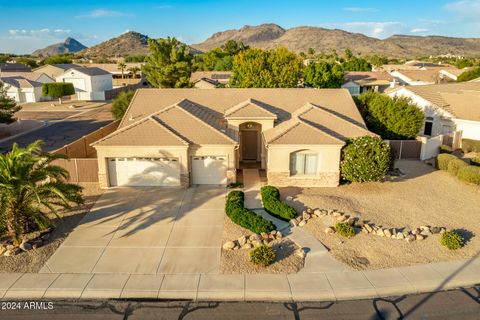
[
  {"x": 358, "y": 82},
  {"x": 183, "y": 137},
  {"x": 24, "y": 87},
  {"x": 210, "y": 79},
  {"x": 447, "y": 107},
  {"x": 119, "y": 79},
  {"x": 14, "y": 67},
  {"x": 89, "y": 83},
  {"x": 54, "y": 70},
  {"x": 421, "y": 77}
]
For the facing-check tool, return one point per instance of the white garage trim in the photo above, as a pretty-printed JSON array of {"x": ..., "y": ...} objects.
[
  {"x": 209, "y": 169},
  {"x": 144, "y": 172}
]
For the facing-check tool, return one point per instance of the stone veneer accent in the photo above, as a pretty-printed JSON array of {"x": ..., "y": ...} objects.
[
  {"x": 283, "y": 179},
  {"x": 103, "y": 180},
  {"x": 184, "y": 180}
]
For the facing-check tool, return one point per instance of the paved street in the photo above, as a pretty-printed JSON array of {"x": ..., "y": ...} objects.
[
  {"x": 459, "y": 304},
  {"x": 58, "y": 134}
]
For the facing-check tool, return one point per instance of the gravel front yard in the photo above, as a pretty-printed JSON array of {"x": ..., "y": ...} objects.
[
  {"x": 238, "y": 261},
  {"x": 424, "y": 196},
  {"x": 32, "y": 261}
]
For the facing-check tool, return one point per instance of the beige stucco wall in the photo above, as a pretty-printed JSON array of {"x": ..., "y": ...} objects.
[
  {"x": 328, "y": 165},
  {"x": 103, "y": 153}
]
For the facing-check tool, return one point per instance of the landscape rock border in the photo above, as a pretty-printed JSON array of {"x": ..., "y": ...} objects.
[{"x": 252, "y": 241}]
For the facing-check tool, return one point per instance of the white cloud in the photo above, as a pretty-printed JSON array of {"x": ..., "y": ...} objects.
[
  {"x": 374, "y": 29},
  {"x": 418, "y": 30},
  {"x": 163, "y": 6},
  {"x": 37, "y": 33},
  {"x": 469, "y": 9},
  {"x": 359, "y": 9},
  {"x": 102, "y": 13}
]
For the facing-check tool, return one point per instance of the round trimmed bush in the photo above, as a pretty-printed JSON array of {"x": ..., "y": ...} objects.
[
  {"x": 451, "y": 240},
  {"x": 443, "y": 159},
  {"x": 262, "y": 255},
  {"x": 454, "y": 165},
  {"x": 344, "y": 229},
  {"x": 470, "y": 174},
  {"x": 365, "y": 159},
  {"x": 445, "y": 149}
]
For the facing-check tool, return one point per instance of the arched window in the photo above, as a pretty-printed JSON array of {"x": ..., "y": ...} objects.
[{"x": 303, "y": 162}]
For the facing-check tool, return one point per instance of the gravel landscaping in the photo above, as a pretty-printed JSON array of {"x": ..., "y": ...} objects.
[
  {"x": 33, "y": 260},
  {"x": 421, "y": 196},
  {"x": 238, "y": 261}
]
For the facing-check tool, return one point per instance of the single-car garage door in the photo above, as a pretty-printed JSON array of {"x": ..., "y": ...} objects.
[
  {"x": 209, "y": 170},
  {"x": 144, "y": 172}
]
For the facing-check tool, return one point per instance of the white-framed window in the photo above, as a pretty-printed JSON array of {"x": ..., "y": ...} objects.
[
  {"x": 428, "y": 126},
  {"x": 303, "y": 163}
]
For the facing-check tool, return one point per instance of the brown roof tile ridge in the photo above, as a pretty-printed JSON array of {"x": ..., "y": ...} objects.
[
  {"x": 116, "y": 132},
  {"x": 169, "y": 130},
  {"x": 245, "y": 103},
  {"x": 180, "y": 106}
]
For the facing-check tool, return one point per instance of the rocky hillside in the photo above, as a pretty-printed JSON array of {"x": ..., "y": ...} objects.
[
  {"x": 299, "y": 39},
  {"x": 129, "y": 43},
  {"x": 69, "y": 45}
]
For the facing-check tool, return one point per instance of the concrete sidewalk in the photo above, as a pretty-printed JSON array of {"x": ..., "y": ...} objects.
[{"x": 315, "y": 286}]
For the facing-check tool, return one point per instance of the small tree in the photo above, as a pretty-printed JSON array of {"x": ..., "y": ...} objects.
[
  {"x": 365, "y": 159},
  {"x": 169, "y": 64},
  {"x": 469, "y": 75},
  {"x": 8, "y": 106},
  {"x": 121, "y": 102},
  {"x": 134, "y": 70},
  {"x": 122, "y": 66},
  {"x": 32, "y": 188},
  {"x": 323, "y": 74},
  {"x": 58, "y": 90}
]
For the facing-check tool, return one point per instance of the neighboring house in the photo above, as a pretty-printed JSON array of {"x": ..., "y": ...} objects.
[
  {"x": 447, "y": 108},
  {"x": 359, "y": 82},
  {"x": 210, "y": 79},
  {"x": 24, "y": 86},
  {"x": 453, "y": 73},
  {"x": 54, "y": 70},
  {"x": 420, "y": 77},
  {"x": 14, "y": 67},
  {"x": 183, "y": 137},
  {"x": 119, "y": 80},
  {"x": 89, "y": 83}
]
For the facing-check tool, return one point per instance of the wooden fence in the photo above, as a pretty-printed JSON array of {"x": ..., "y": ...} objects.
[
  {"x": 80, "y": 170},
  {"x": 405, "y": 149},
  {"x": 113, "y": 93},
  {"x": 81, "y": 148}
]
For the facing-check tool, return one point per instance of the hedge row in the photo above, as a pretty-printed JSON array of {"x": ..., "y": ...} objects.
[
  {"x": 235, "y": 210},
  {"x": 273, "y": 205},
  {"x": 459, "y": 168},
  {"x": 470, "y": 145}
]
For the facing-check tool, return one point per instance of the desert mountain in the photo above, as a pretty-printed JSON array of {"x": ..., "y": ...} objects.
[
  {"x": 267, "y": 36},
  {"x": 69, "y": 45},
  {"x": 129, "y": 43}
]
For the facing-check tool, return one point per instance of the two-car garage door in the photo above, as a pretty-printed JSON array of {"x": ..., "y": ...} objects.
[
  {"x": 144, "y": 172},
  {"x": 165, "y": 172}
]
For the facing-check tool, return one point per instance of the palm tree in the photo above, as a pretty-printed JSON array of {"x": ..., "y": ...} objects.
[
  {"x": 122, "y": 66},
  {"x": 134, "y": 70},
  {"x": 32, "y": 189}
]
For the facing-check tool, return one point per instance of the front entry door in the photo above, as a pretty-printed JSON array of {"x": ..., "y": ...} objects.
[{"x": 249, "y": 145}]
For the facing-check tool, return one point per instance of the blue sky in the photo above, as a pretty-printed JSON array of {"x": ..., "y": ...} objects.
[{"x": 29, "y": 25}]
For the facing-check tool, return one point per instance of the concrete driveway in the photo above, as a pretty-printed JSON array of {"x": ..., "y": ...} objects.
[{"x": 146, "y": 231}]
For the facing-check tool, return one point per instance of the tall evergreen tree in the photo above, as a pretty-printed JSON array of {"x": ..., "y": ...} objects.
[{"x": 8, "y": 106}]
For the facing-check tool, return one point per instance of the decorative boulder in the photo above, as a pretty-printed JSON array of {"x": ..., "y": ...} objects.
[
  {"x": 229, "y": 245},
  {"x": 302, "y": 223},
  {"x": 294, "y": 222},
  {"x": 329, "y": 230},
  {"x": 242, "y": 240}
]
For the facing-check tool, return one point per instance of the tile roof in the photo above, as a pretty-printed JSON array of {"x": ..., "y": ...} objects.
[
  {"x": 146, "y": 132},
  {"x": 217, "y": 76},
  {"x": 369, "y": 77},
  {"x": 33, "y": 76},
  {"x": 462, "y": 100},
  {"x": 250, "y": 108},
  {"x": 19, "y": 82},
  {"x": 93, "y": 71},
  {"x": 112, "y": 67}
]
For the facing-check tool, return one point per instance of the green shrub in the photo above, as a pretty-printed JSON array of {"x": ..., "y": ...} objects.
[
  {"x": 391, "y": 118},
  {"x": 451, "y": 240},
  {"x": 468, "y": 75},
  {"x": 445, "y": 149},
  {"x": 469, "y": 174},
  {"x": 263, "y": 255},
  {"x": 244, "y": 217},
  {"x": 443, "y": 159},
  {"x": 273, "y": 205},
  {"x": 344, "y": 229},
  {"x": 121, "y": 103},
  {"x": 454, "y": 165},
  {"x": 365, "y": 159},
  {"x": 57, "y": 89},
  {"x": 470, "y": 145}
]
